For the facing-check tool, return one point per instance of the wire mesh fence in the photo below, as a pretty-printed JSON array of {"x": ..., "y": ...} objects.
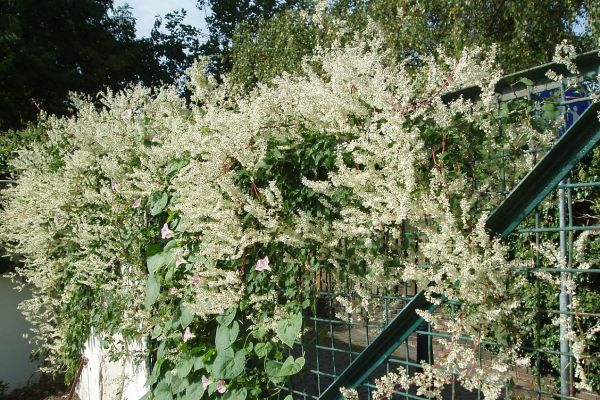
[{"x": 332, "y": 339}]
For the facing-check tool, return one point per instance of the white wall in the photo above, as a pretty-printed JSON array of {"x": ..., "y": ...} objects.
[
  {"x": 15, "y": 367},
  {"x": 103, "y": 379}
]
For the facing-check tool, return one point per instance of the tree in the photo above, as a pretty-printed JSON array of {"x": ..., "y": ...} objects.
[
  {"x": 262, "y": 51},
  {"x": 51, "y": 48},
  {"x": 178, "y": 47},
  {"x": 525, "y": 32},
  {"x": 227, "y": 15}
]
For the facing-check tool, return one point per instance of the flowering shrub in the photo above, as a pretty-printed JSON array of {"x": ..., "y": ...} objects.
[{"x": 201, "y": 225}]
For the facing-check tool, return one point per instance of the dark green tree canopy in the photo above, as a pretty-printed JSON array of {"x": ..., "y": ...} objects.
[
  {"x": 50, "y": 48},
  {"x": 177, "y": 47}
]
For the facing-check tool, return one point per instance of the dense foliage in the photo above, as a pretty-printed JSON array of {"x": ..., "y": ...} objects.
[
  {"x": 51, "y": 48},
  {"x": 225, "y": 17},
  {"x": 525, "y": 33},
  {"x": 202, "y": 225}
]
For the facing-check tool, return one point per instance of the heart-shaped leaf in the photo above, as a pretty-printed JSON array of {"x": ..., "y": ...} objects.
[
  {"x": 227, "y": 317},
  {"x": 157, "y": 202},
  {"x": 187, "y": 316},
  {"x": 226, "y": 335},
  {"x": 289, "y": 328},
  {"x": 195, "y": 391},
  {"x": 228, "y": 364}
]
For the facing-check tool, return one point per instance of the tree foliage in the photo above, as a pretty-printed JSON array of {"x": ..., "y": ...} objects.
[
  {"x": 177, "y": 48},
  {"x": 51, "y": 48},
  {"x": 525, "y": 32},
  {"x": 229, "y": 15}
]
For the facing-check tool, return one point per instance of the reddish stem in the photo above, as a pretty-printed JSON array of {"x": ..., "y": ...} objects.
[{"x": 428, "y": 100}]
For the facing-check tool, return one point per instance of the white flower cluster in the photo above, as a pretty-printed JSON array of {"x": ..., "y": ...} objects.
[
  {"x": 565, "y": 53},
  {"x": 388, "y": 384}
]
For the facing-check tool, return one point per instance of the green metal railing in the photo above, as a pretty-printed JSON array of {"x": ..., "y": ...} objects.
[{"x": 548, "y": 206}]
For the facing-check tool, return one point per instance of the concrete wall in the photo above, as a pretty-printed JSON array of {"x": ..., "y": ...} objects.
[
  {"x": 103, "y": 379},
  {"x": 15, "y": 367}
]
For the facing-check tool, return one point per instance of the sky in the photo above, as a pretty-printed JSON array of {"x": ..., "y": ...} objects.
[{"x": 145, "y": 12}]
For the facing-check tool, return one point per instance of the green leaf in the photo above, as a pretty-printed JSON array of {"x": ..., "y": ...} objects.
[
  {"x": 171, "y": 244},
  {"x": 157, "y": 202},
  {"x": 184, "y": 367},
  {"x": 291, "y": 366},
  {"x": 178, "y": 384},
  {"x": 156, "y": 331},
  {"x": 175, "y": 166},
  {"x": 550, "y": 111},
  {"x": 198, "y": 363},
  {"x": 160, "y": 353},
  {"x": 228, "y": 365},
  {"x": 262, "y": 349},
  {"x": 272, "y": 370},
  {"x": 152, "y": 290},
  {"x": 187, "y": 316},
  {"x": 526, "y": 81},
  {"x": 288, "y": 397},
  {"x": 236, "y": 394},
  {"x": 166, "y": 256},
  {"x": 155, "y": 262},
  {"x": 289, "y": 328},
  {"x": 169, "y": 274},
  {"x": 212, "y": 388},
  {"x": 276, "y": 371},
  {"x": 163, "y": 391},
  {"x": 249, "y": 347},
  {"x": 227, "y": 317},
  {"x": 226, "y": 336},
  {"x": 195, "y": 391}
]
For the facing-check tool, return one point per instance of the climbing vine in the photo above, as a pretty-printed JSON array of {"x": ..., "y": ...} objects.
[{"x": 202, "y": 226}]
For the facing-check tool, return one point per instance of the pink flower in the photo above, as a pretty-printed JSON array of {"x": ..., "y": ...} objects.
[
  {"x": 114, "y": 186},
  {"x": 263, "y": 264},
  {"x": 221, "y": 386},
  {"x": 171, "y": 291},
  {"x": 165, "y": 232},
  {"x": 187, "y": 335},
  {"x": 197, "y": 280},
  {"x": 205, "y": 382},
  {"x": 137, "y": 203},
  {"x": 125, "y": 115},
  {"x": 180, "y": 260}
]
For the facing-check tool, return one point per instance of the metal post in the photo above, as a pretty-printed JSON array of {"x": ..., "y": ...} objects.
[
  {"x": 564, "y": 300},
  {"x": 424, "y": 351}
]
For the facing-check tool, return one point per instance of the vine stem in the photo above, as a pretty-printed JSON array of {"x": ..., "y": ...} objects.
[
  {"x": 82, "y": 363},
  {"x": 427, "y": 101}
]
